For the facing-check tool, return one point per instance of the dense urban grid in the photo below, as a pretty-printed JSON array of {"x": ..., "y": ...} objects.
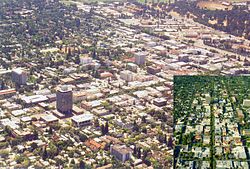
[
  {"x": 89, "y": 85},
  {"x": 211, "y": 123}
]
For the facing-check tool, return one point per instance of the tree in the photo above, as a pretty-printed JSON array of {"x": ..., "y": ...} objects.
[
  {"x": 147, "y": 161},
  {"x": 53, "y": 150},
  {"x": 134, "y": 102},
  {"x": 50, "y": 130},
  {"x": 69, "y": 54},
  {"x": 103, "y": 129},
  {"x": 96, "y": 123},
  {"x": 59, "y": 162},
  {"x": 239, "y": 58},
  {"x": 145, "y": 154},
  {"x": 144, "y": 130},
  {"x": 165, "y": 138},
  {"x": 83, "y": 137},
  {"x": 40, "y": 79},
  {"x": 143, "y": 119},
  {"x": 34, "y": 146},
  {"x": 136, "y": 127},
  {"x": 7, "y": 129},
  {"x": 170, "y": 142},
  {"x": 15, "y": 141},
  {"x": 94, "y": 54},
  {"x": 134, "y": 149},
  {"x": 139, "y": 152},
  {"x": 73, "y": 161},
  {"x": 96, "y": 74},
  {"x": 82, "y": 165},
  {"x": 77, "y": 60},
  {"x": 35, "y": 134},
  {"x": 78, "y": 22},
  {"x": 19, "y": 158},
  {"x": 106, "y": 127},
  {"x": 4, "y": 153},
  {"x": 2, "y": 85},
  {"x": 45, "y": 154}
]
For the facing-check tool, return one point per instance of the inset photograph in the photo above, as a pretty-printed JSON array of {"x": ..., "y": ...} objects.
[{"x": 211, "y": 122}]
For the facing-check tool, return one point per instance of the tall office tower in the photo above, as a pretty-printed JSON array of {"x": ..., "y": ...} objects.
[
  {"x": 140, "y": 58},
  {"x": 64, "y": 100},
  {"x": 19, "y": 76}
]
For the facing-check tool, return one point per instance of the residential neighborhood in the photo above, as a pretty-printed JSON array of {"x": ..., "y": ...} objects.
[{"x": 211, "y": 123}]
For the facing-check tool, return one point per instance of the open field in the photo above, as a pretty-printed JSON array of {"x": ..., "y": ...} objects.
[
  {"x": 143, "y": 1},
  {"x": 213, "y": 5},
  {"x": 237, "y": 0},
  {"x": 89, "y": 1}
]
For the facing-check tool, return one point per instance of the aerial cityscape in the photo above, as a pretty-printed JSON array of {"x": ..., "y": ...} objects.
[{"x": 124, "y": 84}]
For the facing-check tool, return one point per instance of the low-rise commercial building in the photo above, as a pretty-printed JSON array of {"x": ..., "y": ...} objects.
[
  {"x": 82, "y": 120},
  {"x": 121, "y": 152}
]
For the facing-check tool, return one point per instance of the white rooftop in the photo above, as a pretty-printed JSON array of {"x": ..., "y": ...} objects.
[
  {"x": 82, "y": 117},
  {"x": 34, "y": 99},
  {"x": 49, "y": 118}
]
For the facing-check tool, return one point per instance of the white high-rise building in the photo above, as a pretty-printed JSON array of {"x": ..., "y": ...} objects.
[
  {"x": 140, "y": 58},
  {"x": 127, "y": 75}
]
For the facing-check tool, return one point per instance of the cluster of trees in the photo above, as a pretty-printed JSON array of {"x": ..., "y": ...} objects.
[
  {"x": 22, "y": 160},
  {"x": 161, "y": 115},
  {"x": 156, "y": 9},
  {"x": 142, "y": 154},
  {"x": 137, "y": 151},
  {"x": 136, "y": 127},
  {"x": 163, "y": 139},
  {"x": 48, "y": 11},
  {"x": 51, "y": 152}
]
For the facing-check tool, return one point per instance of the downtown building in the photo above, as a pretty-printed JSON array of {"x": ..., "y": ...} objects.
[{"x": 64, "y": 100}]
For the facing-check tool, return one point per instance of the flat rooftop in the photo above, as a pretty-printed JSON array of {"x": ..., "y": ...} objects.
[
  {"x": 49, "y": 118},
  {"x": 82, "y": 117}
]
